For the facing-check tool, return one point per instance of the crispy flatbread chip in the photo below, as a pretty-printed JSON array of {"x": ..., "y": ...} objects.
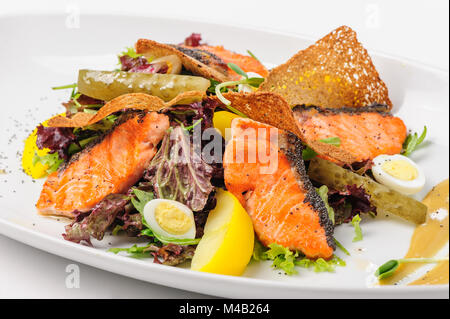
[
  {"x": 334, "y": 72},
  {"x": 145, "y": 46},
  {"x": 136, "y": 101},
  {"x": 272, "y": 109}
]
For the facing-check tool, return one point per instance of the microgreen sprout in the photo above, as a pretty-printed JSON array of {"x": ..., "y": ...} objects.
[
  {"x": 341, "y": 247},
  {"x": 62, "y": 87},
  {"x": 413, "y": 141},
  {"x": 253, "y": 82},
  {"x": 253, "y": 56},
  {"x": 387, "y": 269}
]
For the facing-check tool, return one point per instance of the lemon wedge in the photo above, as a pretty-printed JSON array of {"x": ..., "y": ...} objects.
[
  {"x": 222, "y": 121},
  {"x": 227, "y": 244}
]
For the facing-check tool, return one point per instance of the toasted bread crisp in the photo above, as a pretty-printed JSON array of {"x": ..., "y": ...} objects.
[
  {"x": 271, "y": 108},
  {"x": 136, "y": 101},
  {"x": 197, "y": 67},
  {"x": 334, "y": 72}
]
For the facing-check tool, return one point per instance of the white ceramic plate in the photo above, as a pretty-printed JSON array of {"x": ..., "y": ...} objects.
[{"x": 39, "y": 52}]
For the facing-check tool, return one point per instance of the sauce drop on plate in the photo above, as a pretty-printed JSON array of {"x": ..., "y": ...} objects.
[{"x": 428, "y": 239}]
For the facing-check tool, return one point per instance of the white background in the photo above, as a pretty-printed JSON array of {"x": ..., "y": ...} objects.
[{"x": 416, "y": 30}]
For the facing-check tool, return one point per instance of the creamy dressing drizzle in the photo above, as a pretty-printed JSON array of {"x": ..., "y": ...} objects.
[{"x": 428, "y": 239}]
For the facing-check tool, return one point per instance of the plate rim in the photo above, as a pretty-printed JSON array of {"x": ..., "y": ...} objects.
[{"x": 9, "y": 227}]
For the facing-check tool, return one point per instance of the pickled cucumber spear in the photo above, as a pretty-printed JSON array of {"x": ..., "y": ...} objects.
[
  {"x": 383, "y": 198},
  {"x": 107, "y": 85}
]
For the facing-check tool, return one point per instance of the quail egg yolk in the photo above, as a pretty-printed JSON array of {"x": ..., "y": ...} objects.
[
  {"x": 400, "y": 169},
  {"x": 172, "y": 219}
]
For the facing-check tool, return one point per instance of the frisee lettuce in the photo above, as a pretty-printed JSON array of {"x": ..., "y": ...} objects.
[
  {"x": 320, "y": 264},
  {"x": 131, "y": 52},
  {"x": 286, "y": 260},
  {"x": 358, "y": 232},
  {"x": 51, "y": 160}
]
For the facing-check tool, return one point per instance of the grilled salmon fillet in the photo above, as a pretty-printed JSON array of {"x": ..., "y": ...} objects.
[
  {"x": 245, "y": 62},
  {"x": 112, "y": 165},
  {"x": 283, "y": 204},
  {"x": 218, "y": 58},
  {"x": 206, "y": 57},
  {"x": 365, "y": 132}
]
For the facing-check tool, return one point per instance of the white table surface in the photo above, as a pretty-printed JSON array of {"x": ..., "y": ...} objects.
[{"x": 417, "y": 30}]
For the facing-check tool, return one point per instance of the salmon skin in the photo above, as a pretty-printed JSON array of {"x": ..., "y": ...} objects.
[
  {"x": 283, "y": 205},
  {"x": 206, "y": 57},
  {"x": 112, "y": 165},
  {"x": 365, "y": 132},
  {"x": 212, "y": 55}
]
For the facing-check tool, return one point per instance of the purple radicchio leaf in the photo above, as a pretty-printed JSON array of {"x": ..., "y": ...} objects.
[
  {"x": 179, "y": 173},
  {"x": 212, "y": 142},
  {"x": 193, "y": 40},
  {"x": 98, "y": 221},
  {"x": 141, "y": 65},
  {"x": 57, "y": 139},
  {"x": 353, "y": 201}
]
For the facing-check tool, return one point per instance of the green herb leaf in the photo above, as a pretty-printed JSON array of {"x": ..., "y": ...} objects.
[
  {"x": 255, "y": 82},
  {"x": 253, "y": 56},
  {"x": 413, "y": 141},
  {"x": 190, "y": 128},
  {"x": 387, "y": 269},
  {"x": 147, "y": 232},
  {"x": 134, "y": 251},
  {"x": 62, "y": 87},
  {"x": 336, "y": 141},
  {"x": 323, "y": 193},
  {"x": 358, "y": 232},
  {"x": 237, "y": 69},
  {"x": 308, "y": 153},
  {"x": 341, "y": 247}
]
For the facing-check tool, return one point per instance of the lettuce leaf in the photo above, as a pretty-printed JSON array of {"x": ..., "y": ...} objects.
[
  {"x": 286, "y": 260},
  {"x": 283, "y": 258},
  {"x": 358, "y": 232},
  {"x": 52, "y": 161},
  {"x": 98, "y": 221},
  {"x": 179, "y": 173}
]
